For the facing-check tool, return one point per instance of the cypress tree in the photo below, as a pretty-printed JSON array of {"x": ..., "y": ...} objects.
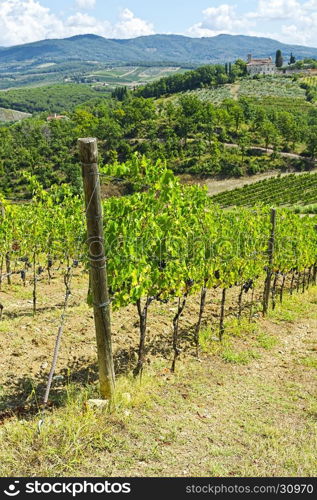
[
  {"x": 279, "y": 59},
  {"x": 292, "y": 59}
]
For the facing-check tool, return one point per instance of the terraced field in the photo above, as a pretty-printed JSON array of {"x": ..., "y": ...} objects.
[
  {"x": 276, "y": 86},
  {"x": 278, "y": 92},
  {"x": 133, "y": 75},
  {"x": 289, "y": 190},
  {"x": 310, "y": 80},
  {"x": 215, "y": 94},
  {"x": 10, "y": 115}
]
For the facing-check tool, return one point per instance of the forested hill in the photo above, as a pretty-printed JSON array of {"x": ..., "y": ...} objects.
[{"x": 149, "y": 49}]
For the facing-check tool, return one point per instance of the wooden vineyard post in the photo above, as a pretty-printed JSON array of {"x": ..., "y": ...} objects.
[
  {"x": 269, "y": 272},
  {"x": 8, "y": 268},
  {"x": 98, "y": 274},
  {"x": 222, "y": 314}
]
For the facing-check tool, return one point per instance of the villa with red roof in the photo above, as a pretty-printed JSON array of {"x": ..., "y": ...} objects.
[{"x": 264, "y": 66}]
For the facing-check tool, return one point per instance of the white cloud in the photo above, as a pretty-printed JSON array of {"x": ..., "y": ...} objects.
[
  {"x": 85, "y": 4},
  {"x": 222, "y": 19},
  {"x": 289, "y": 21},
  {"x": 80, "y": 24},
  {"x": 277, "y": 10},
  {"x": 130, "y": 26},
  {"x": 23, "y": 21}
]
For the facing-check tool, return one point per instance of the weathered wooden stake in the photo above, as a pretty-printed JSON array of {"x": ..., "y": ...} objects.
[
  {"x": 34, "y": 284},
  {"x": 1, "y": 271},
  {"x": 222, "y": 315},
  {"x": 267, "y": 286},
  {"x": 8, "y": 267},
  {"x": 203, "y": 295},
  {"x": 98, "y": 274}
]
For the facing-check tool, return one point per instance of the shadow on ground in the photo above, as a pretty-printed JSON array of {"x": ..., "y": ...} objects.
[{"x": 23, "y": 397}]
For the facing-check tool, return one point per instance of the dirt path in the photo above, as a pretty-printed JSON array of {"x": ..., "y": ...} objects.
[
  {"x": 269, "y": 150},
  {"x": 234, "y": 89},
  {"x": 128, "y": 72}
]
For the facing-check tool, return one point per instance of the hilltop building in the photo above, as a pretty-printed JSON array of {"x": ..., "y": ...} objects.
[
  {"x": 263, "y": 66},
  {"x": 55, "y": 116}
]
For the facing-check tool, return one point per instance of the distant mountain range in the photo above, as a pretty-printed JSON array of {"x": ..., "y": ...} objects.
[{"x": 151, "y": 49}]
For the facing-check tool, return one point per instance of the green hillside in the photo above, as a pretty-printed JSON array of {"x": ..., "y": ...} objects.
[
  {"x": 10, "y": 115},
  {"x": 81, "y": 56},
  {"x": 234, "y": 136},
  {"x": 149, "y": 49},
  {"x": 270, "y": 91},
  {"x": 288, "y": 190},
  {"x": 96, "y": 74},
  {"x": 52, "y": 98}
]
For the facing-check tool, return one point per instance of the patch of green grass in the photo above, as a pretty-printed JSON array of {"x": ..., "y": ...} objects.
[
  {"x": 65, "y": 436},
  {"x": 19, "y": 291},
  {"x": 296, "y": 306},
  {"x": 266, "y": 341},
  {"x": 209, "y": 340},
  {"x": 241, "y": 328},
  {"x": 72, "y": 432},
  {"x": 5, "y": 325},
  {"x": 234, "y": 328},
  {"x": 216, "y": 470},
  {"x": 284, "y": 316},
  {"x": 312, "y": 408},
  {"x": 228, "y": 349},
  {"x": 310, "y": 362},
  {"x": 239, "y": 357}
]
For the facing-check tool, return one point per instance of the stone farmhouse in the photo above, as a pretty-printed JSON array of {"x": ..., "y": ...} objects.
[{"x": 263, "y": 66}]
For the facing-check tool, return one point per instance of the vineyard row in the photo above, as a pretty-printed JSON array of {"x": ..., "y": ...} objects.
[{"x": 163, "y": 242}]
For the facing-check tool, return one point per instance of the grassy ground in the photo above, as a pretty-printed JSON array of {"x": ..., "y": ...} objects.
[{"x": 245, "y": 408}]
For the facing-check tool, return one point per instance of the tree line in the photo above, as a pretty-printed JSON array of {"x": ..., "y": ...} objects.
[
  {"x": 188, "y": 133},
  {"x": 208, "y": 75}
]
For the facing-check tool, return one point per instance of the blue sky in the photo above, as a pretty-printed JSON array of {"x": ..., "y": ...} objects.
[
  {"x": 290, "y": 21},
  {"x": 166, "y": 15}
]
